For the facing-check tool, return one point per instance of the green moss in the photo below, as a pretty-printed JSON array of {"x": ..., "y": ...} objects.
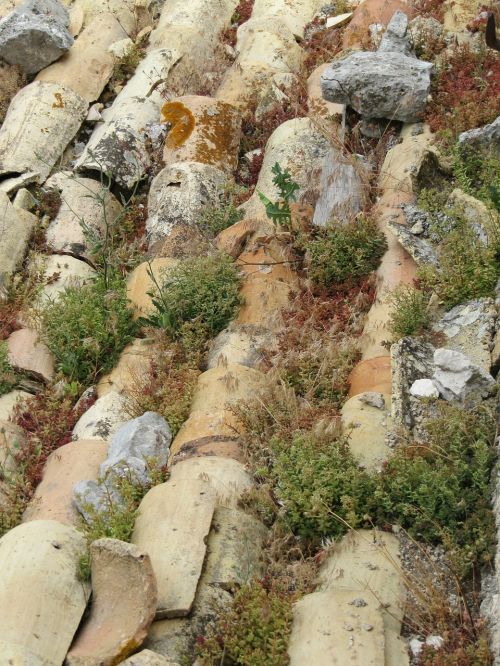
[
  {"x": 319, "y": 484},
  {"x": 468, "y": 268},
  {"x": 254, "y": 631},
  {"x": 477, "y": 173},
  {"x": 8, "y": 377},
  {"x": 201, "y": 292},
  {"x": 409, "y": 314},
  {"x": 87, "y": 327},
  {"x": 439, "y": 491},
  {"x": 345, "y": 252}
]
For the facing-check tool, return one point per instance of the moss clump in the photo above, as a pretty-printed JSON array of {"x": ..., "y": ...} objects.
[
  {"x": 439, "y": 491},
  {"x": 126, "y": 65},
  {"x": 477, "y": 173},
  {"x": 8, "y": 378},
  {"x": 468, "y": 266},
  {"x": 87, "y": 327},
  {"x": 254, "y": 631},
  {"x": 201, "y": 292},
  {"x": 409, "y": 313},
  {"x": 345, "y": 252},
  {"x": 319, "y": 485}
]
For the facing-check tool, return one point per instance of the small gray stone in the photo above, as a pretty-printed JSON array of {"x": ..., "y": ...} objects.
[
  {"x": 395, "y": 38},
  {"x": 379, "y": 85},
  {"x": 418, "y": 228},
  {"x": 146, "y": 438},
  {"x": 35, "y": 34},
  {"x": 415, "y": 216},
  {"x": 358, "y": 603},
  {"x": 459, "y": 379},
  {"x": 424, "y": 388}
]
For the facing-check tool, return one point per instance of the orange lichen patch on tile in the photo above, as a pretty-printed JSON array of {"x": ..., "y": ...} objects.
[
  {"x": 204, "y": 130},
  {"x": 182, "y": 123},
  {"x": 374, "y": 374},
  {"x": 219, "y": 135}
]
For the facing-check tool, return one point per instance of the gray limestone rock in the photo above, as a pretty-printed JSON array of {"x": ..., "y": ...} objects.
[
  {"x": 373, "y": 399},
  {"x": 91, "y": 497},
  {"x": 470, "y": 329},
  {"x": 415, "y": 215},
  {"x": 379, "y": 85},
  {"x": 35, "y": 34},
  {"x": 47, "y": 8},
  {"x": 424, "y": 388},
  {"x": 420, "y": 249},
  {"x": 135, "y": 446},
  {"x": 458, "y": 379},
  {"x": 395, "y": 38},
  {"x": 138, "y": 446},
  {"x": 484, "y": 138},
  {"x": 411, "y": 360}
]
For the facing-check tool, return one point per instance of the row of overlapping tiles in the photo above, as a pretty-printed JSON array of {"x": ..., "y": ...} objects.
[{"x": 199, "y": 503}]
